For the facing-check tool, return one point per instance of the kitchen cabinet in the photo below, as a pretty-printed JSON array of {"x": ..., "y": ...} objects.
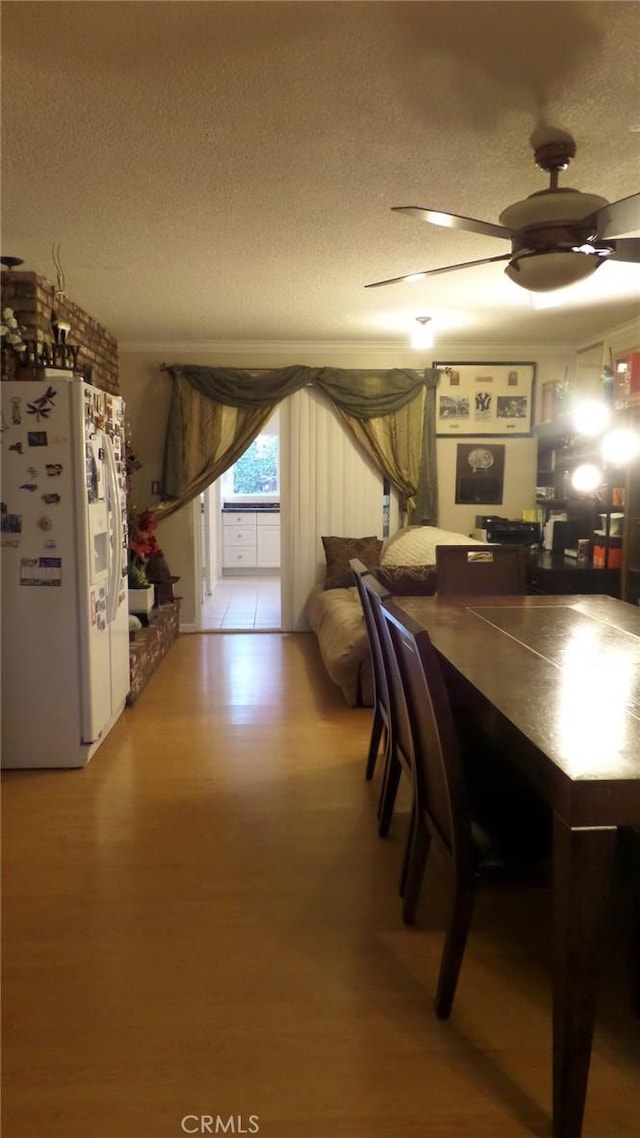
[{"x": 251, "y": 540}]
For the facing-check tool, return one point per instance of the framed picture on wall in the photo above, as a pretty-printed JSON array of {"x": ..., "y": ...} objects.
[
  {"x": 626, "y": 379},
  {"x": 479, "y": 474},
  {"x": 485, "y": 398}
]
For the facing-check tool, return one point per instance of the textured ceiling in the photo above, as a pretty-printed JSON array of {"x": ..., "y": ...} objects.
[{"x": 224, "y": 171}]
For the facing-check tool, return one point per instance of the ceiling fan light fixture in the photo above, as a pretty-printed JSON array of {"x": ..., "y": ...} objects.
[
  {"x": 422, "y": 336},
  {"x": 547, "y": 271}
]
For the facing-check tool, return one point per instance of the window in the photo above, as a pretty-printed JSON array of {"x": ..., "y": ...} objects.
[{"x": 255, "y": 477}]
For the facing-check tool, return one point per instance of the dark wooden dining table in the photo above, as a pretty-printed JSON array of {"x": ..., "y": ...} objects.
[{"x": 555, "y": 680}]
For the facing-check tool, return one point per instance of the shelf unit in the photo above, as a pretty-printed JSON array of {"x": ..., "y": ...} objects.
[
  {"x": 630, "y": 585},
  {"x": 626, "y": 394},
  {"x": 560, "y": 450}
]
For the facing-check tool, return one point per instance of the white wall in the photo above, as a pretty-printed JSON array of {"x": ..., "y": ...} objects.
[
  {"x": 519, "y": 484},
  {"x": 520, "y": 453},
  {"x": 146, "y": 391}
]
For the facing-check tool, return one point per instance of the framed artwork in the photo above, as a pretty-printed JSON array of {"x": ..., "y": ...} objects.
[
  {"x": 479, "y": 474},
  {"x": 626, "y": 379},
  {"x": 484, "y": 398}
]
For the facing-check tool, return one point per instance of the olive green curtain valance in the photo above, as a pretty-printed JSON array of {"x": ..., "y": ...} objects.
[
  {"x": 216, "y": 412},
  {"x": 363, "y": 394}
]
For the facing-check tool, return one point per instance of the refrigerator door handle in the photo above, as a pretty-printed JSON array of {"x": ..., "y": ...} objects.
[{"x": 117, "y": 533}]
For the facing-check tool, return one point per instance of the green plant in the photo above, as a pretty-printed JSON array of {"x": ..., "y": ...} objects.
[
  {"x": 142, "y": 546},
  {"x": 137, "y": 575},
  {"x": 256, "y": 471}
]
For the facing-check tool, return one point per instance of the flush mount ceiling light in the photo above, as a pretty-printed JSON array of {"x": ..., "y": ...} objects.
[{"x": 422, "y": 336}]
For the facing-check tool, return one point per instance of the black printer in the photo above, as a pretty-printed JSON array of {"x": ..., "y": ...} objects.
[{"x": 503, "y": 531}]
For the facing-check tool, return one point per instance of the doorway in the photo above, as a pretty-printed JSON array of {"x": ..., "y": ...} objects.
[
  {"x": 242, "y": 603},
  {"x": 239, "y": 539}
]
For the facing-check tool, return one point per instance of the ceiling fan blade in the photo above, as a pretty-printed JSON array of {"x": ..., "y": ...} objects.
[
  {"x": 627, "y": 249},
  {"x": 616, "y": 218},
  {"x": 454, "y": 221},
  {"x": 444, "y": 269}
]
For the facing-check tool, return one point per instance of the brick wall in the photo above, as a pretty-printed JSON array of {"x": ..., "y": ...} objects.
[{"x": 33, "y": 300}]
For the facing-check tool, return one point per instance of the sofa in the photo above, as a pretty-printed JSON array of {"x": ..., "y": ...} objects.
[{"x": 405, "y": 564}]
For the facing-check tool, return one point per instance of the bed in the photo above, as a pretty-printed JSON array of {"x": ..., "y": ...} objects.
[{"x": 405, "y": 564}]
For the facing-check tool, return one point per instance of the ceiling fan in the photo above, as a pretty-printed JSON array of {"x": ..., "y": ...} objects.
[{"x": 558, "y": 236}]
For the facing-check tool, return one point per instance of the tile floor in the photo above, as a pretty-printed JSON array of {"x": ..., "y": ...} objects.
[{"x": 242, "y": 602}]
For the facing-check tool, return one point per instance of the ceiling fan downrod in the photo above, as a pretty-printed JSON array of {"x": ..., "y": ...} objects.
[{"x": 553, "y": 156}]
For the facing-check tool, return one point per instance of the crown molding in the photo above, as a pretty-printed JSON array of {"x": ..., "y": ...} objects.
[
  {"x": 246, "y": 348},
  {"x": 624, "y": 336}
]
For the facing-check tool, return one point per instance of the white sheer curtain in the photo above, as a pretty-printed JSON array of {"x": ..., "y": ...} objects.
[{"x": 328, "y": 487}]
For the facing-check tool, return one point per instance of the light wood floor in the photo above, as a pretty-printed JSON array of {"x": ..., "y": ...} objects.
[{"x": 204, "y": 922}]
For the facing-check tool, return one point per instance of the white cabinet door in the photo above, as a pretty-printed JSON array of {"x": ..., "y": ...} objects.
[{"x": 269, "y": 543}]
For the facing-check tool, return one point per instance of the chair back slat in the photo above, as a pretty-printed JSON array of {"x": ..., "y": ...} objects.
[
  {"x": 401, "y": 734},
  {"x": 440, "y": 787},
  {"x": 476, "y": 570},
  {"x": 380, "y": 683}
]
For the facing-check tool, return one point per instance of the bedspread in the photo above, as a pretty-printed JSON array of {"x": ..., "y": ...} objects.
[{"x": 336, "y": 618}]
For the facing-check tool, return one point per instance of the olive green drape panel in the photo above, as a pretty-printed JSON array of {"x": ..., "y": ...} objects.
[
  {"x": 402, "y": 445},
  {"x": 203, "y": 440},
  {"x": 215, "y": 413}
]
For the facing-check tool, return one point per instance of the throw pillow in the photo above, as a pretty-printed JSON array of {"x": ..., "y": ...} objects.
[
  {"x": 408, "y": 580},
  {"x": 339, "y": 551},
  {"x": 416, "y": 545}
]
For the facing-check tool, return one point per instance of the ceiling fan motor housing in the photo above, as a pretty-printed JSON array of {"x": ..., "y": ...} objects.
[
  {"x": 551, "y": 208},
  {"x": 559, "y": 224}
]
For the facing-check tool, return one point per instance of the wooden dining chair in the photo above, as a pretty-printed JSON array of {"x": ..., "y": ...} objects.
[
  {"x": 634, "y": 954},
  {"x": 476, "y": 570},
  {"x": 399, "y": 756},
  {"x": 444, "y": 810},
  {"x": 628, "y": 875},
  {"x": 381, "y": 723}
]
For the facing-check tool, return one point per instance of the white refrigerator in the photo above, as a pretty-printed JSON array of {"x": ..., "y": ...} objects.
[{"x": 65, "y": 623}]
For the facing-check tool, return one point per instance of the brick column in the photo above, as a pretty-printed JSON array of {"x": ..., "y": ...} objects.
[{"x": 33, "y": 301}]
